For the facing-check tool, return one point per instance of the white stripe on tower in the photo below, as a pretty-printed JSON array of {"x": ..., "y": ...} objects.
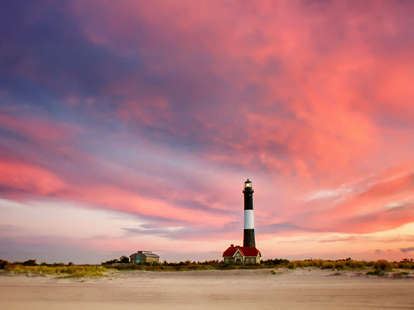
[{"x": 248, "y": 219}]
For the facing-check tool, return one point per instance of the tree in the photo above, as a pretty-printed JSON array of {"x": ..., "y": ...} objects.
[
  {"x": 30, "y": 262},
  {"x": 3, "y": 263}
]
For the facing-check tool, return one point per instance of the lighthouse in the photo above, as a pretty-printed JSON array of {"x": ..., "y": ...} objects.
[
  {"x": 248, "y": 236},
  {"x": 248, "y": 253}
]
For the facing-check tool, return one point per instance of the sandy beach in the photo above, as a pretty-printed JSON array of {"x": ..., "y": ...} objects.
[{"x": 234, "y": 289}]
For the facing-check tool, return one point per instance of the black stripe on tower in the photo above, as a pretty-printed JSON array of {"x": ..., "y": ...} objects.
[
  {"x": 248, "y": 198},
  {"x": 248, "y": 238}
]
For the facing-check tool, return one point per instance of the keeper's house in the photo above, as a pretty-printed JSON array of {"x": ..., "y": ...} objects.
[
  {"x": 144, "y": 257},
  {"x": 241, "y": 255}
]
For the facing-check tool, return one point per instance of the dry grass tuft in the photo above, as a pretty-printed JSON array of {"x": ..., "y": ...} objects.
[{"x": 72, "y": 271}]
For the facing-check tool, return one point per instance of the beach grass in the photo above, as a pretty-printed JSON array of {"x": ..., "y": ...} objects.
[
  {"x": 380, "y": 267},
  {"x": 65, "y": 271},
  {"x": 374, "y": 268},
  {"x": 350, "y": 264}
]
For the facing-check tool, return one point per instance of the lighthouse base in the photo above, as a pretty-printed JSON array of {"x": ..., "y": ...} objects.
[{"x": 241, "y": 255}]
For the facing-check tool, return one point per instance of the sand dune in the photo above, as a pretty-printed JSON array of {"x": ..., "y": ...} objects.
[{"x": 236, "y": 289}]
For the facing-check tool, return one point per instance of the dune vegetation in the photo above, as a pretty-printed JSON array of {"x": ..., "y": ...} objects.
[
  {"x": 60, "y": 270},
  {"x": 374, "y": 268},
  {"x": 190, "y": 265},
  {"x": 379, "y": 267}
]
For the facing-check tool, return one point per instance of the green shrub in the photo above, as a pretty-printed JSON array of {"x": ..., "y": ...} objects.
[
  {"x": 383, "y": 265},
  {"x": 300, "y": 264},
  {"x": 3, "y": 263},
  {"x": 340, "y": 265},
  {"x": 370, "y": 264},
  {"x": 405, "y": 264},
  {"x": 30, "y": 262},
  {"x": 353, "y": 264},
  {"x": 327, "y": 265}
]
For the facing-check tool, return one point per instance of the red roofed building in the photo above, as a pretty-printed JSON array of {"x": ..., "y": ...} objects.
[{"x": 241, "y": 255}]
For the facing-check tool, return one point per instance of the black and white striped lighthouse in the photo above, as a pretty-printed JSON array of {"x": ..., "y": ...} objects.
[{"x": 248, "y": 237}]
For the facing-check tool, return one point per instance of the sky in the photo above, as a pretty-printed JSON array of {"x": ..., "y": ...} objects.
[{"x": 131, "y": 125}]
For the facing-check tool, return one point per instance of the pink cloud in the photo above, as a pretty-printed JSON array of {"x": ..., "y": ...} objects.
[{"x": 17, "y": 177}]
